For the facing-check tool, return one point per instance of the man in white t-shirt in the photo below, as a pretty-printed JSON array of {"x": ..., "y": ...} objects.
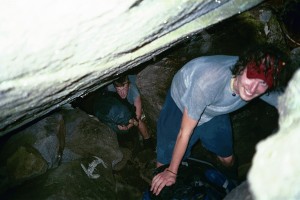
[{"x": 202, "y": 94}]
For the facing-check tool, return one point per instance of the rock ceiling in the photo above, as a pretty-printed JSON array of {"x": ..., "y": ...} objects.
[{"x": 55, "y": 51}]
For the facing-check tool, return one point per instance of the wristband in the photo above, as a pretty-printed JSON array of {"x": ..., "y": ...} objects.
[{"x": 171, "y": 172}]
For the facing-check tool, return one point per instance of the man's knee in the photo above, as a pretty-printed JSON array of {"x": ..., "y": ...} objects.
[
  {"x": 230, "y": 164},
  {"x": 227, "y": 161}
]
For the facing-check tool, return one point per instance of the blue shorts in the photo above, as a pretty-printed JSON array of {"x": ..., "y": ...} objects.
[{"x": 215, "y": 135}]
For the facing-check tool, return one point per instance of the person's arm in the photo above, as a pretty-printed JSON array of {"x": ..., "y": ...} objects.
[
  {"x": 141, "y": 124},
  {"x": 168, "y": 177},
  {"x": 138, "y": 107}
]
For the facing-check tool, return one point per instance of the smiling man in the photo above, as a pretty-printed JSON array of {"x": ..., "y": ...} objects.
[{"x": 202, "y": 94}]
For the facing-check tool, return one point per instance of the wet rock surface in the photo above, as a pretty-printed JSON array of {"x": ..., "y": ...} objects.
[
  {"x": 73, "y": 138},
  {"x": 129, "y": 166},
  {"x": 56, "y": 58}
]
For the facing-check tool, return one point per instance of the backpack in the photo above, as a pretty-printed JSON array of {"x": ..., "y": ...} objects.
[
  {"x": 196, "y": 180},
  {"x": 110, "y": 109}
]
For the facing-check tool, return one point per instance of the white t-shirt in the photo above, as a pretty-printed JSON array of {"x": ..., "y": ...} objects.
[{"x": 203, "y": 87}]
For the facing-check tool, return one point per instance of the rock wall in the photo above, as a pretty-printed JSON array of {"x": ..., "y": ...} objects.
[
  {"x": 275, "y": 173},
  {"x": 54, "y": 79},
  {"x": 54, "y": 51},
  {"x": 51, "y": 155}
]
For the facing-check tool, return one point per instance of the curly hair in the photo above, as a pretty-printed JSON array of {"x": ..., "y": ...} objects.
[{"x": 272, "y": 60}]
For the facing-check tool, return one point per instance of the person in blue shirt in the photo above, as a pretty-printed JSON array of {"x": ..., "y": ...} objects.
[
  {"x": 202, "y": 94},
  {"x": 126, "y": 88}
]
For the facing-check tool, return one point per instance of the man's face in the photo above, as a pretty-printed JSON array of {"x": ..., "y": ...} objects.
[
  {"x": 249, "y": 88},
  {"x": 123, "y": 90}
]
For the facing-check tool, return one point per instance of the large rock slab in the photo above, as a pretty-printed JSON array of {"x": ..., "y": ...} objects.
[
  {"x": 54, "y": 51},
  {"x": 51, "y": 156},
  {"x": 68, "y": 181}
]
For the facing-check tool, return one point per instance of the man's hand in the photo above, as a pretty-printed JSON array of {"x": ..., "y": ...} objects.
[
  {"x": 165, "y": 178},
  {"x": 132, "y": 122},
  {"x": 123, "y": 127}
]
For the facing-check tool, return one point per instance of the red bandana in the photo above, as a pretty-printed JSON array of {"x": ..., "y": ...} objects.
[{"x": 255, "y": 71}]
